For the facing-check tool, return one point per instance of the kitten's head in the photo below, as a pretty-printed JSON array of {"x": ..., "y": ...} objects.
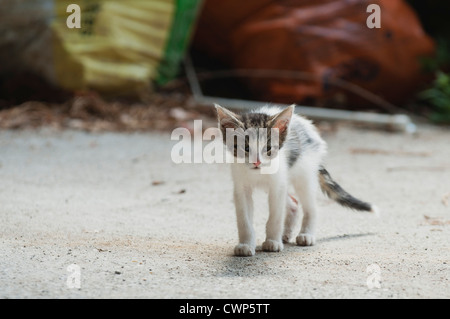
[{"x": 256, "y": 137}]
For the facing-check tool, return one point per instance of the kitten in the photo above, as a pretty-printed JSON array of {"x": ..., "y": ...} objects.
[{"x": 270, "y": 135}]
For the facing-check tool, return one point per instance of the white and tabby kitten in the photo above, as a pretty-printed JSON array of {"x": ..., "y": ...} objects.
[{"x": 299, "y": 151}]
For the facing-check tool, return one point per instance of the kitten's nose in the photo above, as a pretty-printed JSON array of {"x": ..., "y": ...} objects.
[{"x": 257, "y": 163}]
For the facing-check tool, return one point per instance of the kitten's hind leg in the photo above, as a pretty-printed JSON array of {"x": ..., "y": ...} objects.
[
  {"x": 306, "y": 187},
  {"x": 292, "y": 218}
]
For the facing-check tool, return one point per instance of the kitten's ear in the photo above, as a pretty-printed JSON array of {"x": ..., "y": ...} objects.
[
  {"x": 226, "y": 118},
  {"x": 281, "y": 120}
]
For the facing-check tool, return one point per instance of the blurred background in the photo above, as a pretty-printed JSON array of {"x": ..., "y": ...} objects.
[
  {"x": 139, "y": 225},
  {"x": 141, "y": 64}
]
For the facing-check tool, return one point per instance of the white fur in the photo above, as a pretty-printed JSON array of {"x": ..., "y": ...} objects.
[{"x": 283, "y": 213}]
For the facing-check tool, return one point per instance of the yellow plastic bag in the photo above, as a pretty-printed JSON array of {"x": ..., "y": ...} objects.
[{"x": 120, "y": 47}]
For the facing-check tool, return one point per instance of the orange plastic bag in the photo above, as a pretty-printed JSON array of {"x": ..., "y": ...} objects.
[{"x": 326, "y": 39}]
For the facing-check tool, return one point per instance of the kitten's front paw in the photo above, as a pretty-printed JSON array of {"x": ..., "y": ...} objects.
[
  {"x": 272, "y": 245},
  {"x": 244, "y": 250},
  {"x": 306, "y": 240}
]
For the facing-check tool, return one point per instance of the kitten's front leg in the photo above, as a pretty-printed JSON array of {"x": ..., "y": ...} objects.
[
  {"x": 274, "y": 226},
  {"x": 243, "y": 202}
]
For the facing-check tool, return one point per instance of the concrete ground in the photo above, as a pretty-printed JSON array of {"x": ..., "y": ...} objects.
[{"x": 111, "y": 214}]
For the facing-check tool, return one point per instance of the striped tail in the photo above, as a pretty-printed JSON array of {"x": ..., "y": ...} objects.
[{"x": 334, "y": 191}]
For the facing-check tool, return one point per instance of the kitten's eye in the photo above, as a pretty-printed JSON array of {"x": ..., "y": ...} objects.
[{"x": 247, "y": 148}]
